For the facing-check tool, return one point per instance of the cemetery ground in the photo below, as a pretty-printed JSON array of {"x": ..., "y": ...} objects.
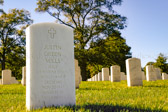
[{"x": 97, "y": 96}]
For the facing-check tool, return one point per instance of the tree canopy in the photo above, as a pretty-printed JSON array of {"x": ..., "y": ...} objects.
[
  {"x": 12, "y": 37},
  {"x": 161, "y": 62},
  {"x": 92, "y": 20}
]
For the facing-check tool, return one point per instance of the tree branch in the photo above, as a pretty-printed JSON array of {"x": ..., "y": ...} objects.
[{"x": 60, "y": 20}]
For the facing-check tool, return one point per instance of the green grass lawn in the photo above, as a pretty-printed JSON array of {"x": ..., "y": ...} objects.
[{"x": 97, "y": 97}]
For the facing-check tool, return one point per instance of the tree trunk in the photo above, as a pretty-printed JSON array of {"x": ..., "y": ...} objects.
[
  {"x": 83, "y": 71},
  {"x": 3, "y": 60}
]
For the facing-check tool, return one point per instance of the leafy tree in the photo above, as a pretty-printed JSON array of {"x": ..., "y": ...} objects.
[
  {"x": 91, "y": 20},
  {"x": 161, "y": 63},
  {"x": 12, "y": 38},
  {"x": 1, "y": 3},
  {"x": 107, "y": 52}
]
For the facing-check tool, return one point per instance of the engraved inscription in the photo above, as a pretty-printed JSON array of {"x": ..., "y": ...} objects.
[
  {"x": 52, "y": 32},
  {"x": 52, "y": 78},
  {"x": 52, "y": 53}
]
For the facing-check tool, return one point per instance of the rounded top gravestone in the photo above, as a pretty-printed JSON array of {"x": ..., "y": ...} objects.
[{"x": 50, "y": 68}]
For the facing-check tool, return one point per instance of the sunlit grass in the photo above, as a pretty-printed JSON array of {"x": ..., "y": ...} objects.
[{"x": 97, "y": 96}]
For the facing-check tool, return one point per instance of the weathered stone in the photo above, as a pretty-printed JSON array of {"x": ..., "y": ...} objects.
[
  {"x": 50, "y": 70},
  {"x": 23, "y": 76},
  {"x": 123, "y": 76},
  {"x": 105, "y": 74},
  {"x": 6, "y": 77},
  {"x": 115, "y": 73},
  {"x": 99, "y": 76},
  {"x": 134, "y": 73},
  {"x": 164, "y": 76},
  {"x": 158, "y": 73},
  {"x": 150, "y": 73},
  {"x": 143, "y": 76}
]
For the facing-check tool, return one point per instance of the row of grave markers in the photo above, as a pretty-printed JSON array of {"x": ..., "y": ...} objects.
[
  {"x": 7, "y": 78},
  {"x": 117, "y": 76},
  {"x": 50, "y": 71},
  {"x": 134, "y": 75}
]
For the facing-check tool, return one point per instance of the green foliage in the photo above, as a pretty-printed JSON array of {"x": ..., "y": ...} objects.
[
  {"x": 12, "y": 40},
  {"x": 1, "y": 2},
  {"x": 110, "y": 51},
  {"x": 161, "y": 62},
  {"x": 101, "y": 96},
  {"x": 92, "y": 21}
]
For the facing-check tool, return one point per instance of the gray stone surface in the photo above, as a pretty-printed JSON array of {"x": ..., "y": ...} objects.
[
  {"x": 143, "y": 76},
  {"x": 164, "y": 76},
  {"x": 105, "y": 74},
  {"x": 115, "y": 73},
  {"x": 150, "y": 73},
  {"x": 50, "y": 70},
  {"x": 158, "y": 73},
  {"x": 99, "y": 76},
  {"x": 123, "y": 76},
  {"x": 6, "y": 77},
  {"x": 134, "y": 73},
  {"x": 23, "y": 82},
  {"x": 77, "y": 77}
]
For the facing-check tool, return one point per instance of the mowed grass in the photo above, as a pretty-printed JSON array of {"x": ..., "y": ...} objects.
[{"x": 97, "y": 97}]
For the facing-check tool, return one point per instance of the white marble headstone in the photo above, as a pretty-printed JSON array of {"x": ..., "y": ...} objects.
[
  {"x": 115, "y": 73},
  {"x": 23, "y": 76},
  {"x": 164, "y": 76},
  {"x": 99, "y": 76},
  {"x": 150, "y": 73},
  {"x": 143, "y": 76},
  {"x": 77, "y": 81},
  {"x": 134, "y": 73},
  {"x": 50, "y": 70},
  {"x": 123, "y": 76},
  {"x": 6, "y": 77},
  {"x": 105, "y": 74},
  {"x": 96, "y": 77},
  {"x": 158, "y": 73}
]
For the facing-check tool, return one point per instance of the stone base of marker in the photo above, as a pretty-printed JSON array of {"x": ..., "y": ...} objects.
[
  {"x": 115, "y": 73},
  {"x": 164, "y": 76},
  {"x": 134, "y": 73},
  {"x": 105, "y": 74},
  {"x": 7, "y": 79},
  {"x": 123, "y": 76},
  {"x": 0, "y": 81}
]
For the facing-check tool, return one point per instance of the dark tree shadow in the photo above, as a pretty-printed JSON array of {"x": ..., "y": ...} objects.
[
  {"x": 109, "y": 108},
  {"x": 116, "y": 108}
]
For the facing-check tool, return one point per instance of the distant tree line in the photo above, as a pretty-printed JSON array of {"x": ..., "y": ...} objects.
[{"x": 97, "y": 38}]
